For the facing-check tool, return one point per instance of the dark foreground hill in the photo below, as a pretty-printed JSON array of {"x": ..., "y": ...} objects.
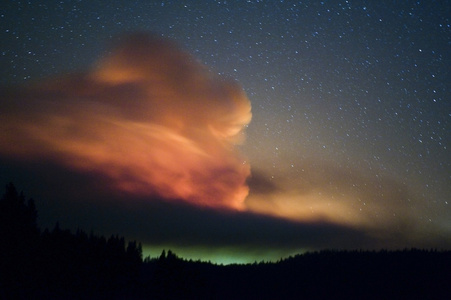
[
  {"x": 407, "y": 274},
  {"x": 59, "y": 264}
]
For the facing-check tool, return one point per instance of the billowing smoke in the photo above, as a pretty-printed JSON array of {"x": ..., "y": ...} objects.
[{"x": 148, "y": 117}]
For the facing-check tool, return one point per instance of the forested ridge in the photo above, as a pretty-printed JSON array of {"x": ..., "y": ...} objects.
[{"x": 59, "y": 264}]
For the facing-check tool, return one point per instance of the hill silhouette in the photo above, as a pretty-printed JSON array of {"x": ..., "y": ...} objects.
[{"x": 60, "y": 264}]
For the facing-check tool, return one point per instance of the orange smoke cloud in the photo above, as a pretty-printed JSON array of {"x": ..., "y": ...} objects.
[{"x": 148, "y": 116}]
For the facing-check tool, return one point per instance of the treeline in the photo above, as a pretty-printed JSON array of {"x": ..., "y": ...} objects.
[
  {"x": 59, "y": 264},
  {"x": 56, "y": 264},
  {"x": 405, "y": 274}
]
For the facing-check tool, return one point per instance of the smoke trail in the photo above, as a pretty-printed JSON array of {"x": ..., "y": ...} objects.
[{"x": 148, "y": 116}]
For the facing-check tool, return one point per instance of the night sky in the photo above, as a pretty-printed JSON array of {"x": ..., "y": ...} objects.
[{"x": 232, "y": 131}]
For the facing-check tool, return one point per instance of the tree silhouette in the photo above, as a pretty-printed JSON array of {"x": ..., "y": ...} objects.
[
  {"x": 19, "y": 239},
  {"x": 17, "y": 216},
  {"x": 59, "y": 264}
]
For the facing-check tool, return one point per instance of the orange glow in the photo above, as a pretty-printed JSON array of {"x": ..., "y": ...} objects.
[
  {"x": 148, "y": 117},
  {"x": 325, "y": 193},
  {"x": 309, "y": 207},
  {"x": 155, "y": 122}
]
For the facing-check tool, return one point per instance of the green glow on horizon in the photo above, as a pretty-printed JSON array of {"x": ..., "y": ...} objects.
[{"x": 221, "y": 255}]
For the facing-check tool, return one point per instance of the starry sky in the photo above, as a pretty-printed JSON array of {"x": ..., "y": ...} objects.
[{"x": 327, "y": 124}]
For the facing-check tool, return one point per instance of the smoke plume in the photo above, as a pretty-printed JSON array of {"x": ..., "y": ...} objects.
[{"x": 148, "y": 117}]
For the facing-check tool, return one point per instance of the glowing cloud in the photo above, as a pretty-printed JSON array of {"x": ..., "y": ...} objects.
[
  {"x": 148, "y": 116},
  {"x": 349, "y": 197}
]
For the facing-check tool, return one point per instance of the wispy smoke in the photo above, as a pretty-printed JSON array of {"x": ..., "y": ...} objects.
[{"x": 148, "y": 117}]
